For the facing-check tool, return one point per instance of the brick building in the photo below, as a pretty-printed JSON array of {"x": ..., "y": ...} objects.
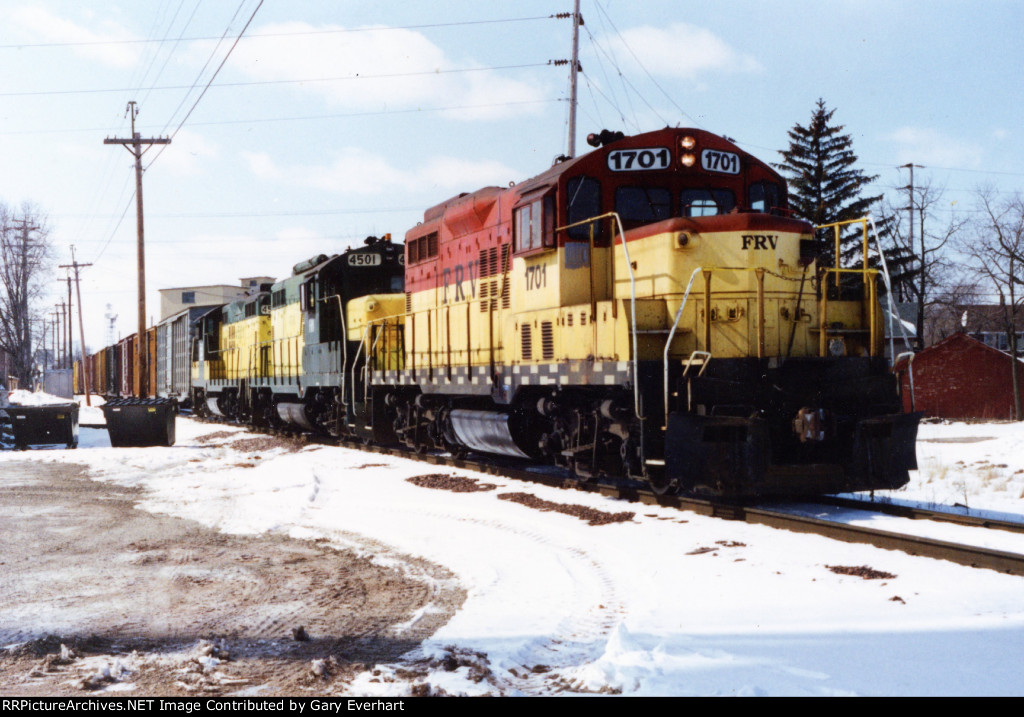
[{"x": 962, "y": 377}]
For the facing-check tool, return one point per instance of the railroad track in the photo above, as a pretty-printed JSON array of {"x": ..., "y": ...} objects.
[
  {"x": 917, "y": 513},
  {"x": 969, "y": 555}
]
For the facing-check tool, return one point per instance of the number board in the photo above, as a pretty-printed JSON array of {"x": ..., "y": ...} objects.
[
  {"x": 364, "y": 259},
  {"x": 632, "y": 160},
  {"x": 714, "y": 160}
]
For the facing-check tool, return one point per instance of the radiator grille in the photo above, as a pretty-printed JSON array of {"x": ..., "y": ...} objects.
[
  {"x": 547, "y": 339},
  {"x": 527, "y": 342}
]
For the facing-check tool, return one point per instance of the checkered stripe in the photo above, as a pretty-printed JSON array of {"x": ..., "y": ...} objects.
[{"x": 569, "y": 373}]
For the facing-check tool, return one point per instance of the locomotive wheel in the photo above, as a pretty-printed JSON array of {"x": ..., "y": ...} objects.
[
  {"x": 581, "y": 474},
  {"x": 662, "y": 486}
]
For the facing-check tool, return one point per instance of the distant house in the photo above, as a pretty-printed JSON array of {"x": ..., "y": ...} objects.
[
  {"x": 985, "y": 322},
  {"x": 961, "y": 377},
  {"x": 174, "y": 301}
]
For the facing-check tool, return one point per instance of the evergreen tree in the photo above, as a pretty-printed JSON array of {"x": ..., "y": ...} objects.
[{"x": 824, "y": 186}]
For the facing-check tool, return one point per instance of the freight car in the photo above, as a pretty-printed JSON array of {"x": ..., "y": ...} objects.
[{"x": 650, "y": 311}]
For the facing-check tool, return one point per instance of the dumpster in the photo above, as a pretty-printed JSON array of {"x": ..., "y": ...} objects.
[
  {"x": 43, "y": 425},
  {"x": 137, "y": 422}
]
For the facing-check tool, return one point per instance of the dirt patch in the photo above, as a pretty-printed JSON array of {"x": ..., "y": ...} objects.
[
  {"x": 210, "y": 437},
  {"x": 258, "y": 444},
  {"x": 454, "y": 483},
  {"x": 702, "y": 551},
  {"x": 591, "y": 515},
  {"x": 861, "y": 571},
  {"x": 97, "y": 596}
]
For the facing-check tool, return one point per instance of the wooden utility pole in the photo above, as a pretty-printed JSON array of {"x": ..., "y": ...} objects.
[
  {"x": 58, "y": 343},
  {"x": 577, "y": 20},
  {"x": 67, "y": 327},
  {"x": 25, "y": 329},
  {"x": 919, "y": 323},
  {"x": 141, "y": 344},
  {"x": 81, "y": 328}
]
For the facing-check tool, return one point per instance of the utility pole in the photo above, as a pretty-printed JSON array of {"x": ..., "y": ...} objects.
[
  {"x": 577, "y": 20},
  {"x": 141, "y": 344},
  {"x": 81, "y": 328},
  {"x": 25, "y": 331},
  {"x": 58, "y": 335},
  {"x": 67, "y": 326},
  {"x": 910, "y": 242}
]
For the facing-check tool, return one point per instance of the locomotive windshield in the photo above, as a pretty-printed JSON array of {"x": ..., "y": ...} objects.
[{"x": 699, "y": 176}]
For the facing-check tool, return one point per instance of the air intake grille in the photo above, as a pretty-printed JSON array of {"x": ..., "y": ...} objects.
[
  {"x": 527, "y": 343},
  {"x": 547, "y": 339}
]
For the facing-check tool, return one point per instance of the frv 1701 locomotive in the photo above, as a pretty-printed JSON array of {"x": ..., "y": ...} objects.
[{"x": 646, "y": 311}]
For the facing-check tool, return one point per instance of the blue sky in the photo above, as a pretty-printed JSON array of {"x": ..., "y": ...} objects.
[{"x": 334, "y": 120}]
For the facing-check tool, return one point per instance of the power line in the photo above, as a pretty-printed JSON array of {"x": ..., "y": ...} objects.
[
  {"x": 297, "y": 118},
  {"x": 252, "y": 83},
  {"x": 215, "y": 73},
  {"x": 642, "y": 67},
  {"x": 332, "y": 31},
  {"x": 257, "y": 215}
]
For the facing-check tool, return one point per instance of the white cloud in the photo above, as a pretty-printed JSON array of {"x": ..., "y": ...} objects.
[
  {"x": 47, "y": 27},
  {"x": 927, "y": 146},
  {"x": 394, "y": 68},
  {"x": 357, "y": 171},
  {"x": 679, "y": 50},
  {"x": 187, "y": 152}
]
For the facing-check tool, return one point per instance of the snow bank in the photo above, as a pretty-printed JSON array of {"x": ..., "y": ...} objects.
[{"x": 20, "y": 397}]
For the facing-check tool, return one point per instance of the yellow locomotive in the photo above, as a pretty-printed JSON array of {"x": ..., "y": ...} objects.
[{"x": 646, "y": 311}]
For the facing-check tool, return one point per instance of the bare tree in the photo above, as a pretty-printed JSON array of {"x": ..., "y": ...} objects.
[
  {"x": 996, "y": 250},
  {"x": 25, "y": 262},
  {"x": 927, "y": 246}
]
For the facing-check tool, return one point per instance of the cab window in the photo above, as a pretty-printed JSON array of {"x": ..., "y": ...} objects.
[
  {"x": 706, "y": 202},
  {"x": 583, "y": 201},
  {"x": 534, "y": 224},
  {"x": 642, "y": 205},
  {"x": 764, "y": 196}
]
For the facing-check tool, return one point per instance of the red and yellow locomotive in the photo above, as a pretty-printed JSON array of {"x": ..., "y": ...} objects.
[{"x": 646, "y": 311}]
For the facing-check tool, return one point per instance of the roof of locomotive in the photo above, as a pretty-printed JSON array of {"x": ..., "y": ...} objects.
[
  {"x": 595, "y": 160},
  {"x": 319, "y": 263}
]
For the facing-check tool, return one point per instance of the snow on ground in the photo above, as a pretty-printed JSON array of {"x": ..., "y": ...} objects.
[
  {"x": 38, "y": 398},
  {"x": 669, "y": 603}
]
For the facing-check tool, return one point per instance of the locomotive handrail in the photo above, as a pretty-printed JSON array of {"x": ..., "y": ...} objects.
[
  {"x": 835, "y": 226},
  {"x": 910, "y": 372},
  {"x": 888, "y": 288},
  {"x": 366, "y": 364},
  {"x": 672, "y": 333},
  {"x": 344, "y": 347},
  {"x": 632, "y": 297}
]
